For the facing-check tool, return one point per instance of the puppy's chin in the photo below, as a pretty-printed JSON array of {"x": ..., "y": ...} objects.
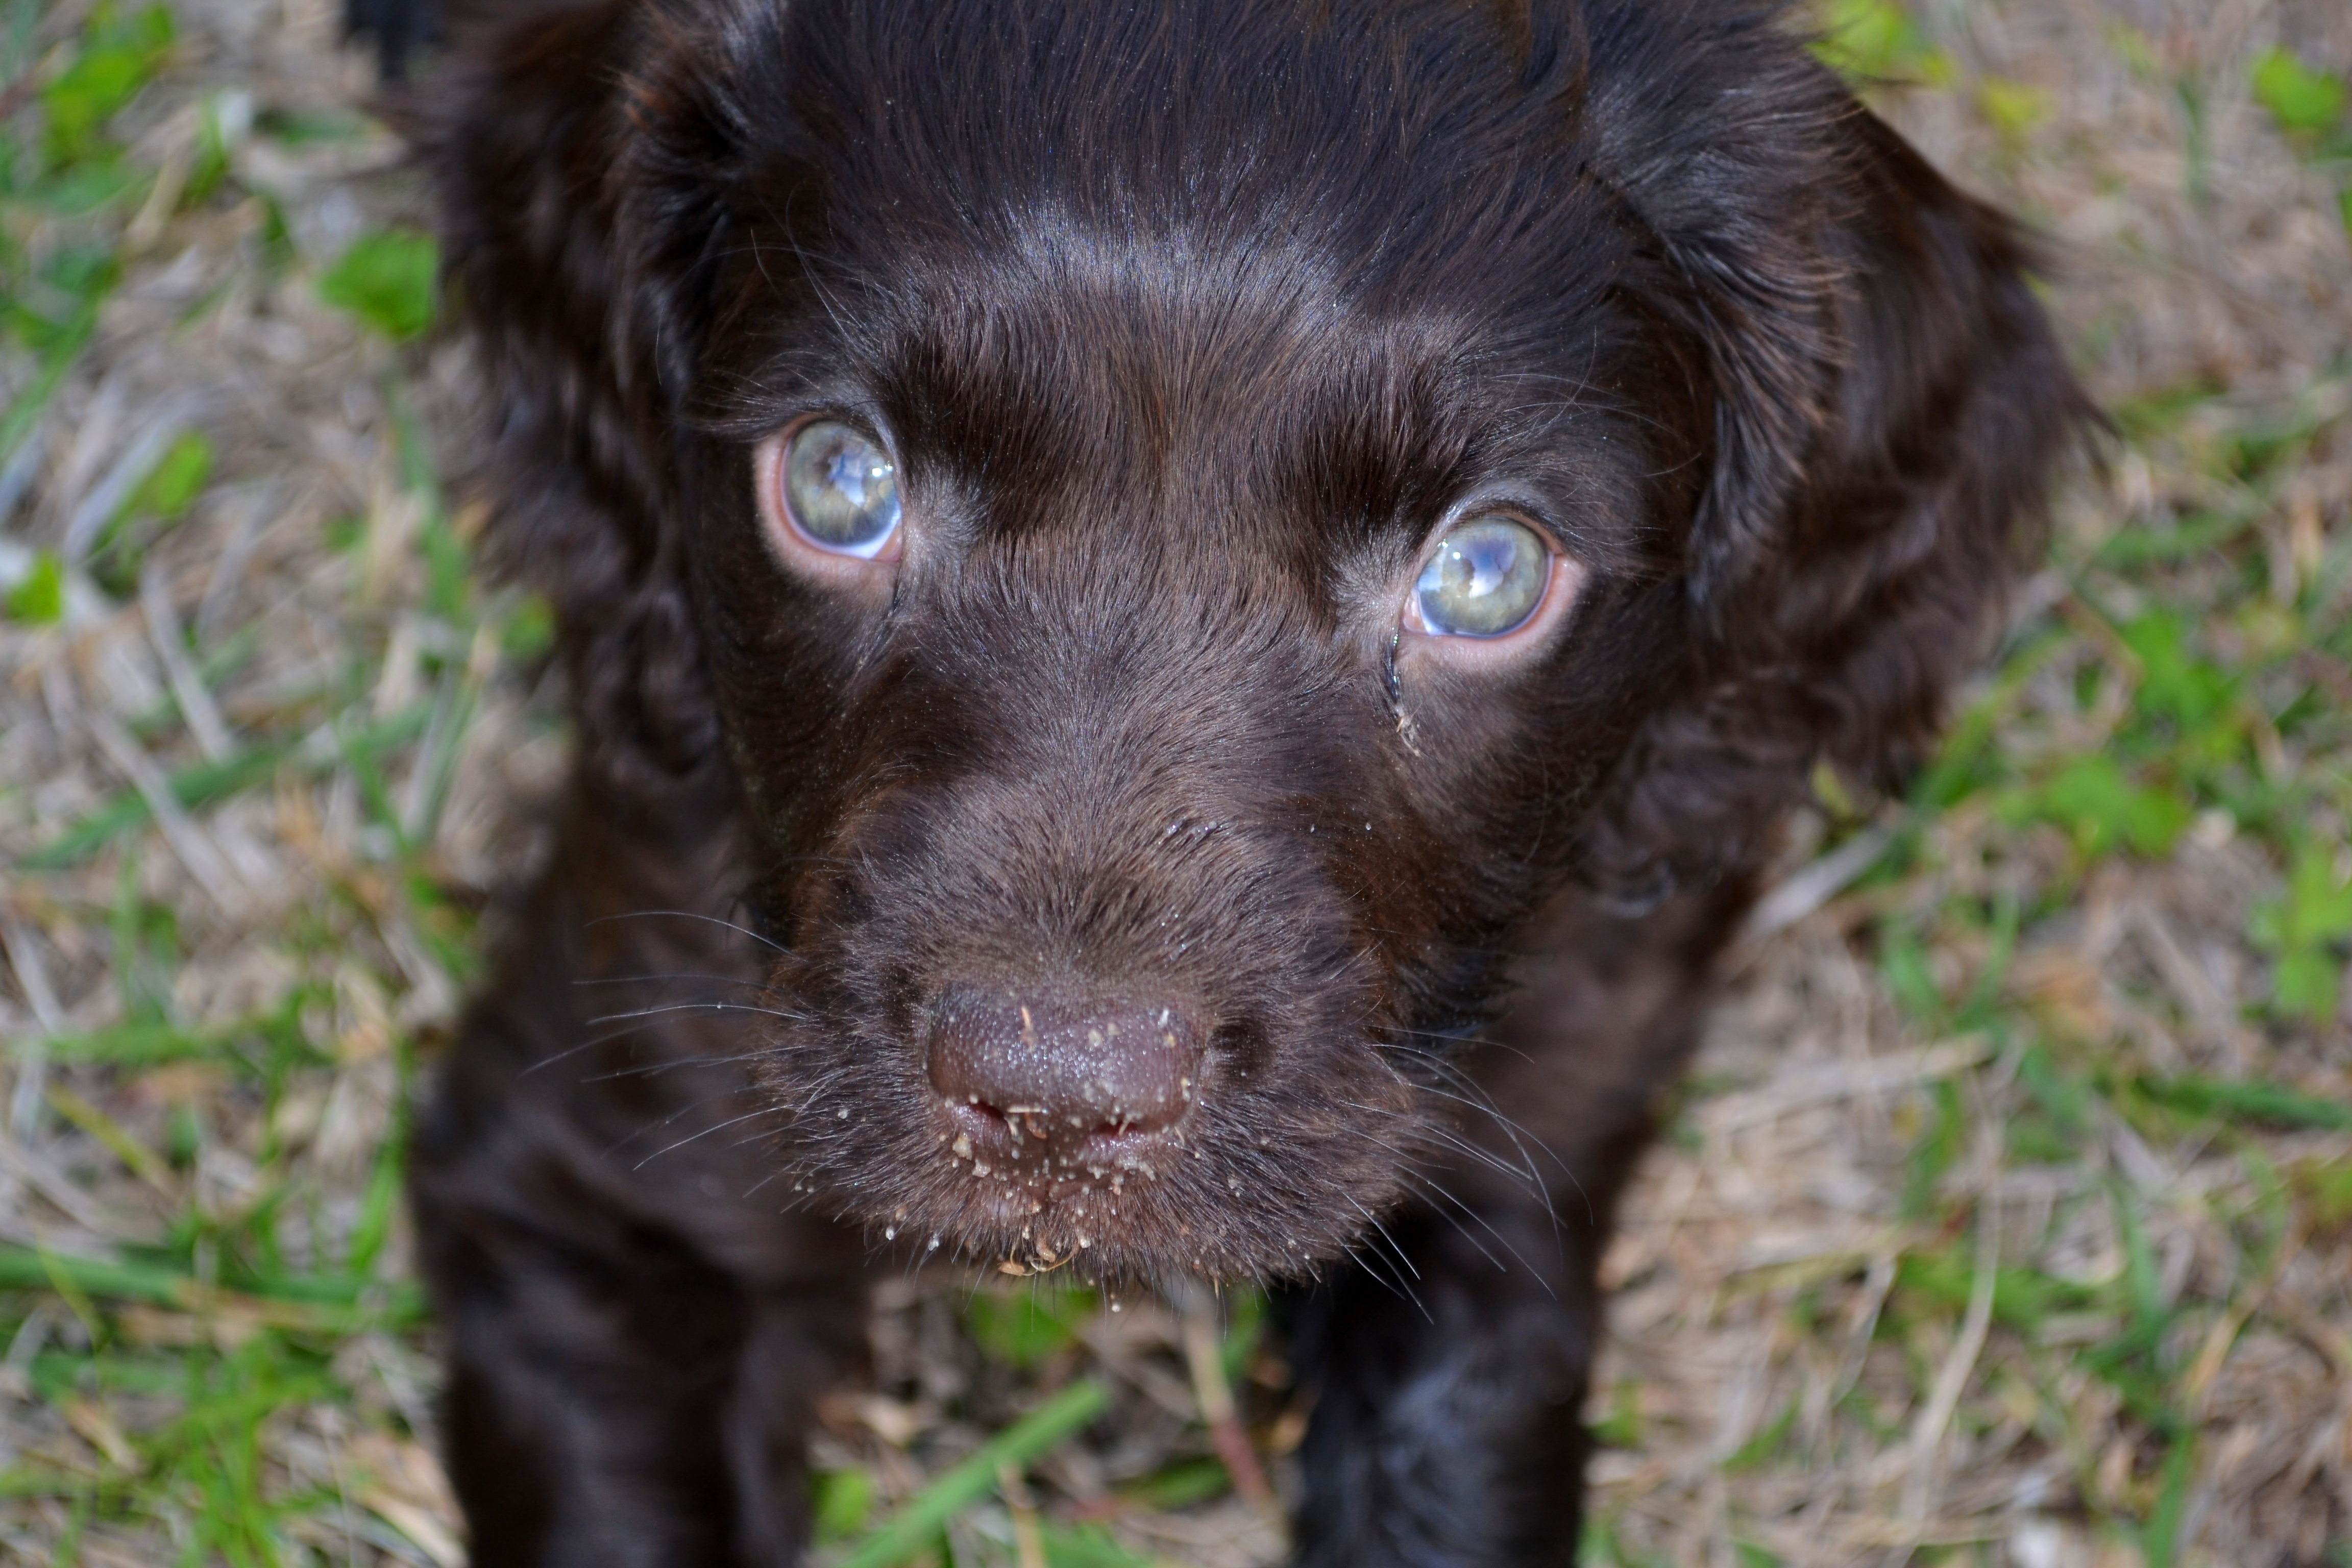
[
  {"x": 1273, "y": 1184},
  {"x": 1153, "y": 1221}
]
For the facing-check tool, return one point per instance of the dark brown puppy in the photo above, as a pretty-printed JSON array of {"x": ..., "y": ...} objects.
[{"x": 1218, "y": 588}]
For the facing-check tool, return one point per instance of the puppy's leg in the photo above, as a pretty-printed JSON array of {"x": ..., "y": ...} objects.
[
  {"x": 1447, "y": 1419},
  {"x": 628, "y": 1403},
  {"x": 638, "y": 1337},
  {"x": 1450, "y": 1359}
]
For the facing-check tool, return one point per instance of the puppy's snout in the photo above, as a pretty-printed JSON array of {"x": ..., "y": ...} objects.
[{"x": 1062, "y": 1069}]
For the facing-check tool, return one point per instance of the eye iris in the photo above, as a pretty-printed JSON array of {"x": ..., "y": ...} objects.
[
  {"x": 1487, "y": 576},
  {"x": 843, "y": 489}
]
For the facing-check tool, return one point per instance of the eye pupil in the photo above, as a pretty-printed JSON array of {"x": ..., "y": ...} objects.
[
  {"x": 1485, "y": 579},
  {"x": 841, "y": 488}
]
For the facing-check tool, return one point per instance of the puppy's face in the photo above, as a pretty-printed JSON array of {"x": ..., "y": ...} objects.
[
  {"x": 1165, "y": 650},
  {"x": 1199, "y": 517}
]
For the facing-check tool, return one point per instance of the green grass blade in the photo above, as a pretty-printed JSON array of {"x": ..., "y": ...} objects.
[
  {"x": 2161, "y": 1540},
  {"x": 2249, "y": 1100},
  {"x": 28, "y": 1482},
  {"x": 295, "y": 1301},
  {"x": 911, "y": 1529},
  {"x": 141, "y": 1044},
  {"x": 34, "y": 402},
  {"x": 206, "y": 782}
]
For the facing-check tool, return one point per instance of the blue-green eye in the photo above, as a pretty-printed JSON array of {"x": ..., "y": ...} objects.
[
  {"x": 1487, "y": 576},
  {"x": 842, "y": 489}
]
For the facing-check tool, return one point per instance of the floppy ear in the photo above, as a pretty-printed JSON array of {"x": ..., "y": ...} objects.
[
  {"x": 1891, "y": 407},
  {"x": 563, "y": 231}
]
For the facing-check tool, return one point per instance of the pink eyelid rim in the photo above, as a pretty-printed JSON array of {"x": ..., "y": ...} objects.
[
  {"x": 1562, "y": 581},
  {"x": 783, "y": 529}
]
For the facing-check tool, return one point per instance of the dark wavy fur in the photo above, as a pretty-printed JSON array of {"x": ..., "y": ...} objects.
[{"x": 1187, "y": 322}]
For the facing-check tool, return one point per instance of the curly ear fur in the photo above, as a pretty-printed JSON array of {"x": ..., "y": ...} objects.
[
  {"x": 585, "y": 333},
  {"x": 1890, "y": 405}
]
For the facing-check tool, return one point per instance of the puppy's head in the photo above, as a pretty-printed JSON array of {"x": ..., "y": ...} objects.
[{"x": 1190, "y": 522}]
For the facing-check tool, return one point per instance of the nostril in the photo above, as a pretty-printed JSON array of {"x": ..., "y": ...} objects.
[{"x": 1060, "y": 1065}]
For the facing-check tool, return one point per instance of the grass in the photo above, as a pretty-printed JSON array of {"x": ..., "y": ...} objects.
[{"x": 2005, "y": 1222}]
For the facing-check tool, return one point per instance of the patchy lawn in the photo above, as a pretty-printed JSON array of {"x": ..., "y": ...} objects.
[{"x": 2008, "y": 1219}]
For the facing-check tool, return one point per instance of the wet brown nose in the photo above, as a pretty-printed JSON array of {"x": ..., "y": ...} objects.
[{"x": 1062, "y": 1067}]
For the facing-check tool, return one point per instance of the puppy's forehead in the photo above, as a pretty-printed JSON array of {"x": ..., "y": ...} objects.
[
  {"x": 1121, "y": 235},
  {"x": 1189, "y": 374},
  {"x": 1380, "y": 127}
]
